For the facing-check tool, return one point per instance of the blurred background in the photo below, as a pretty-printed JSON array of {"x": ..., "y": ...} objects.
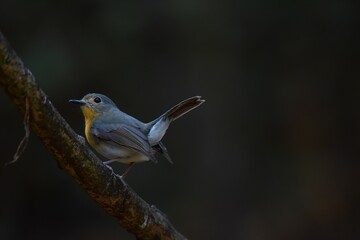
[{"x": 272, "y": 154}]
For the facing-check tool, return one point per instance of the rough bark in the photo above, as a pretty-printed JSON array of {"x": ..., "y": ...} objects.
[{"x": 73, "y": 156}]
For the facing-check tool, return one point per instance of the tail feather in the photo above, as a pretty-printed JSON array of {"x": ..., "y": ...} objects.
[
  {"x": 182, "y": 108},
  {"x": 158, "y": 127}
]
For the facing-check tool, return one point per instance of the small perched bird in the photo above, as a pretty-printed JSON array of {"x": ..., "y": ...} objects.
[{"x": 120, "y": 137}]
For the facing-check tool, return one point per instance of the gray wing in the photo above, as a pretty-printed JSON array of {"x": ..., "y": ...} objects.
[{"x": 124, "y": 136}]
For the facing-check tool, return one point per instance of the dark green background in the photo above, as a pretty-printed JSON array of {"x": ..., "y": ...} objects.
[{"x": 272, "y": 154}]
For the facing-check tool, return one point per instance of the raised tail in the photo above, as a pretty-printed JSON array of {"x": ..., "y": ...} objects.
[
  {"x": 159, "y": 126},
  {"x": 183, "y": 107}
]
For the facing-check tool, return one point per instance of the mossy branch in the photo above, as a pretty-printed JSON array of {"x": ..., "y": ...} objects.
[{"x": 73, "y": 155}]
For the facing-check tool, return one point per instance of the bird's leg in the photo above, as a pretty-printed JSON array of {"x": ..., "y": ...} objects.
[{"x": 127, "y": 170}]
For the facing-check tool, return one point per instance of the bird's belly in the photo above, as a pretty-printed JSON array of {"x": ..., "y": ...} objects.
[{"x": 120, "y": 154}]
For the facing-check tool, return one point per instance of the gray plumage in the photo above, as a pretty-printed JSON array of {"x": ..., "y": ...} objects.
[{"x": 120, "y": 137}]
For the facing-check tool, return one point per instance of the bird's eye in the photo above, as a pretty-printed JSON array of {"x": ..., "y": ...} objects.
[{"x": 97, "y": 99}]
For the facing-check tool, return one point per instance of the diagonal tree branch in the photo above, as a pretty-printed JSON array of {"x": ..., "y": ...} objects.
[{"x": 71, "y": 153}]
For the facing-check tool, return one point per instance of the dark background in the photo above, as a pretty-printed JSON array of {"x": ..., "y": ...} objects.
[{"x": 272, "y": 154}]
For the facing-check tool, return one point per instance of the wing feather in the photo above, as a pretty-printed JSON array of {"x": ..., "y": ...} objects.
[{"x": 125, "y": 136}]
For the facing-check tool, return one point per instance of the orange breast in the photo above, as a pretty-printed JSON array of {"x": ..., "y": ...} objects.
[{"x": 89, "y": 116}]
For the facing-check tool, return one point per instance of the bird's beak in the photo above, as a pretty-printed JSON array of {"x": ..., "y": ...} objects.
[{"x": 79, "y": 102}]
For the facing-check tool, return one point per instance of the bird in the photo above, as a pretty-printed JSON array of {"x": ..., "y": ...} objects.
[{"x": 122, "y": 138}]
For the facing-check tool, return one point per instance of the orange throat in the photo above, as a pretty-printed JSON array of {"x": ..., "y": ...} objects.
[{"x": 89, "y": 116}]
